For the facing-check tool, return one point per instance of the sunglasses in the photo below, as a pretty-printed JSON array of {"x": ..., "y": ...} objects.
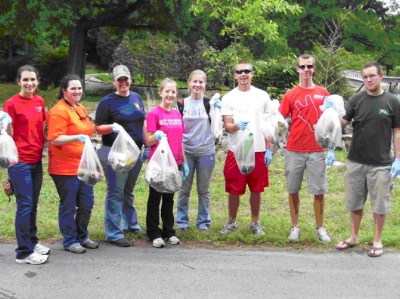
[
  {"x": 80, "y": 116},
  {"x": 122, "y": 79},
  {"x": 243, "y": 71},
  {"x": 309, "y": 67}
]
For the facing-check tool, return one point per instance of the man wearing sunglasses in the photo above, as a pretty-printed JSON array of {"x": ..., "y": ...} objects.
[
  {"x": 302, "y": 150},
  {"x": 239, "y": 109}
]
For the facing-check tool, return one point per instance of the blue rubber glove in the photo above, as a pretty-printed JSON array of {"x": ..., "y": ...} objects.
[
  {"x": 395, "y": 171},
  {"x": 145, "y": 154},
  {"x": 217, "y": 103},
  {"x": 268, "y": 157},
  {"x": 242, "y": 125},
  {"x": 82, "y": 138},
  {"x": 159, "y": 134},
  {"x": 330, "y": 158},
  {"x": 185, "y": 170},
  {"x": 4, "y": 115},
  {"x": 116, "y": 128},
  {"x": 328, "y": 103}
]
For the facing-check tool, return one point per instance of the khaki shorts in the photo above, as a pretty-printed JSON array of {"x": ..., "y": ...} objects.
[
  {"x": 361, "y": 179},
  {"x": 313, "y": 164}
]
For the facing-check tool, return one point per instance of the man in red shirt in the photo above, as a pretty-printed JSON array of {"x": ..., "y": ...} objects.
[{"x": 302, "y": 150}]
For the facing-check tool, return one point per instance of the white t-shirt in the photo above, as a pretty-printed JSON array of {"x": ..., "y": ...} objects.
[{"x": 246, "y": 106}]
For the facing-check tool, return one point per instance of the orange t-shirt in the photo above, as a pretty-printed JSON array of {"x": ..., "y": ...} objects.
[{"x": 63, "y": 119}]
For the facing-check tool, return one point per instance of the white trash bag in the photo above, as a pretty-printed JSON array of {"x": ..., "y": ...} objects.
[{"x": 162, "y": 172}]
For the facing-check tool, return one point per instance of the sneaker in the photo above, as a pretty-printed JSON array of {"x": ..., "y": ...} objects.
[
  {"x": 204, "y": 230},
  {"x": 158, "y": 243},
  {"x": 230, "y": 226},
  {"x": 256, "y": 228},
  {"x": 122, "y": 242},
  {"x": 174, "y": 240},
  {"x": 34, "y": 259},
  {"x": 90, "y": 244},
  {"x": 182, "y": 229},
  {"x": 76, "y": 248},
  {"x": 323, "y": 235},
  {"x": 41, "y": 249},
  {"x": 294, "y": 234}
]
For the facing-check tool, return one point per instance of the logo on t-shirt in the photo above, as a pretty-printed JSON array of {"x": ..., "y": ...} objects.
[
  {"x": 39, "y": 108},
  {"x": 383, "y": 112},
  {"x": 170, "y": 122}
]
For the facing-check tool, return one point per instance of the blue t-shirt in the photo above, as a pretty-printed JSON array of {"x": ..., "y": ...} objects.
[{"x": 126, "y": 111}]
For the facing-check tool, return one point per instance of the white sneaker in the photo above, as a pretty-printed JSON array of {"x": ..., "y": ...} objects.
[
  {"x": 41, "y": 249},
  {"x": 33, "y": 259},
  {"x": 174, "y": 240},
  {"x": 294, "y": 234},
  {"x": 158, "y": 243},
  {"x": 323, "y": 235}
]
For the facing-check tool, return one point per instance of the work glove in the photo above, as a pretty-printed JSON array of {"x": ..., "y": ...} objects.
[
  {"x": 330, "y": 158},
  {"x": 395, "y": 171},
  {"x": 268, "y": 157},
  {"x": 328, "y": 103},
  {"x": 82, "y": 138},
  {"x": 145, "y": 154},
  {"x": 4, "y": 115},
  {"x": 242, "y": 125},
  {"x": 217, "y": 104},
  {"x": 116, "y": 128},
  {"x": 159, "y": 134},
  {"x": 217, "y": 101},
  {"x": 185, "y": 170}
]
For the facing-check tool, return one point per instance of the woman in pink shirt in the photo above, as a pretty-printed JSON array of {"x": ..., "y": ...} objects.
[{"x": 163, "y": 121}]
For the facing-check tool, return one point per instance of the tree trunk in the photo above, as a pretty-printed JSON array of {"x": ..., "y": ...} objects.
[{"x": 76, "y": 53}]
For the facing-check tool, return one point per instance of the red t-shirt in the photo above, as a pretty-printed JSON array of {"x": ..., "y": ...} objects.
[
  {"x": 28, "y": 118},
  {"x": 302, "y": 104}
]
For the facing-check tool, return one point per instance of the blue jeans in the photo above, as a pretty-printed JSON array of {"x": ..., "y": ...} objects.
[
  {"x": 203, "y": 166},
  {"x": 76, "y": 204},
  {"x": 26, "y": 180},
  {"x": 120, "y": 213}
]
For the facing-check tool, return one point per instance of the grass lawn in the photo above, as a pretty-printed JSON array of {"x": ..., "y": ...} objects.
[{"x": 274, "y": 214}]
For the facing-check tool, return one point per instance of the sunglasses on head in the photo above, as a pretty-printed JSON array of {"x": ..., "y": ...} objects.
[
  {"x": 243, "y": 71},
  {"x": 310, "y": 66}
]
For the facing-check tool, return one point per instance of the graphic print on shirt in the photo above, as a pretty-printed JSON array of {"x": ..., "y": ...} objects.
[
  {"x": 308, "y": 112},
  {"x": 193, "y": 114}
]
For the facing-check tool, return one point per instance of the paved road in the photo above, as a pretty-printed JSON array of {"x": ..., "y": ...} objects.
[{"x": 185, "y": 272}]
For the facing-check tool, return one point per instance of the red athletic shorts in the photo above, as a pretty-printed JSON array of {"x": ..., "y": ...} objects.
[{"x": 235, "y": 181}]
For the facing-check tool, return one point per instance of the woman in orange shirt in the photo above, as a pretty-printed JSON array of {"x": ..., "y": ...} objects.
[{"x": 69, "y": 126}]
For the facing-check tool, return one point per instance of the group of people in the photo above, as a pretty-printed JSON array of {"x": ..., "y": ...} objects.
[{"x": 374, "y": 113}]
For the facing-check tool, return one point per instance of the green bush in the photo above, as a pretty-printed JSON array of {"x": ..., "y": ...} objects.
[{"x": 275, "y": 78}]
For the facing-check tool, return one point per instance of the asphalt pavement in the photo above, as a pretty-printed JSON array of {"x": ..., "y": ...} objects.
[{"x": 185, "y": 271}]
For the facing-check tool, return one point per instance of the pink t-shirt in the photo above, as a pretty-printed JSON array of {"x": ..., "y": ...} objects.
[
  {"x": 302, "y": 104},
  {"x": 171, "y": 123}
]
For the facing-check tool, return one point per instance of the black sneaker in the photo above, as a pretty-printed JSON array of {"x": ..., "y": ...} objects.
[{"x": 122, "y": 242}]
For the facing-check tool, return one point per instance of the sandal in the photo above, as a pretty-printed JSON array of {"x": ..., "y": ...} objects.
[
  {"x": 343, "y": 245},
  {"x": 372, "y": 252}
]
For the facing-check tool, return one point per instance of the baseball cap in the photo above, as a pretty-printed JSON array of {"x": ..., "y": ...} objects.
[{"x": 121, "y": 71}]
